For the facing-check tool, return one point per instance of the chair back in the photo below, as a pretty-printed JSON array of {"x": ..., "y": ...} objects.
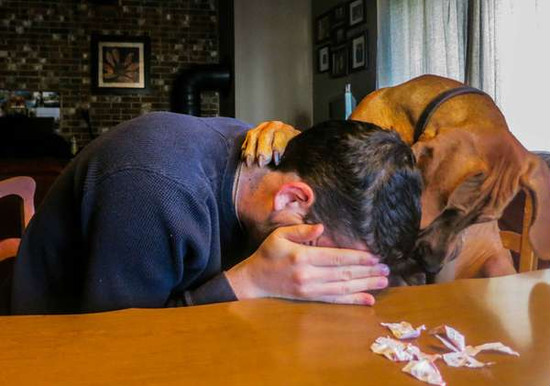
[
  {"x": 519, "y": 242},
  {"x": 23, "y": 187}
]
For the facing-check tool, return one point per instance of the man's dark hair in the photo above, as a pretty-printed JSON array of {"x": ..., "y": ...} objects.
[{"x": 365, "y": 182}]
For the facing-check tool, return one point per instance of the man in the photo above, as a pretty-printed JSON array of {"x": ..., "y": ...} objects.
[{"x": 151, "y": 213}]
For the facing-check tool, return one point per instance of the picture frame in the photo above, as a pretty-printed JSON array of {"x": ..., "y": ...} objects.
[
  {"x": 106, "y": 2},
  {"x": 120, "y": 64},
  {"x": 339, "y": 62},
  {"x": 338, "y": 36},
  {"x": 322, "y": 28},
  {"x": 323, "y": 59},
  {"x": 356, "y": 12},
  {"x": 338, "y": 16},
  {"x": 31, "y": 103},
  {"x": 359, "y": 52}
]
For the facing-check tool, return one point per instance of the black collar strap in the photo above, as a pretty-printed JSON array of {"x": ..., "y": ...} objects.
[{"x": 438, "y": 101}]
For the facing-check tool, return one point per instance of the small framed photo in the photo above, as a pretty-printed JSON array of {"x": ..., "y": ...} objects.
[
  {"x": 356, "y": 12},
  {"x": 339, "y": 62},
  {"x": 120, "y": 65},
  {"x": 105, "y": 2},
  {"x": 50, "y": 99},
  {"x": 323, "y": 59},
  {"x": 338, "y": 36},
  {"x": 322, "y": 28},
  {"x": 359, "y": 55},
  {"x": 338, "y": 16}
]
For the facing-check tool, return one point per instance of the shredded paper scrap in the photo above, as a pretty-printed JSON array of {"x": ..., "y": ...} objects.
[
  {"x": 425, "y": 371},
  {"x": 421, "y": 365},
  {"x": 463, "y": 355},
  {"x": 398, "y": 351},
  {"x": 404, "y": 330}
]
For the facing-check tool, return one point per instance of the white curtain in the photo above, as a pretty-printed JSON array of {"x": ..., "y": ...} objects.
[
  {"x": 522, "y": 45},
  {"x": 418, "y": 37},
  {"x": 481, "y": 46},
  {"x": 500, "y": 46}
]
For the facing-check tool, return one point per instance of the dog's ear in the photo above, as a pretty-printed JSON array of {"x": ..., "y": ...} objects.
[
  {"x": 536, "y": 179},
  {"x": 466, "y": 196},
  {"x": 437, "y": 243}
]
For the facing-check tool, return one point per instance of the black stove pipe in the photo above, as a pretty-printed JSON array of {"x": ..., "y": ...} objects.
[{"x": 187, "y": 87}]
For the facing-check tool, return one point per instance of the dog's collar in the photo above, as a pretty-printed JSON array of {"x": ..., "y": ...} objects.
[{"x": 438, "y": 101}]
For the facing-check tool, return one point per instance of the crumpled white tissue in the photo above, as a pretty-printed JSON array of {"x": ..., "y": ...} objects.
[
  {"x": 463, "y": 355},
  {"x": 404, "y": 330}
]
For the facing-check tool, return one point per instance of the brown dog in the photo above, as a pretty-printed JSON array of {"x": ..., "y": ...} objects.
[{"x": 472, "y": 168}]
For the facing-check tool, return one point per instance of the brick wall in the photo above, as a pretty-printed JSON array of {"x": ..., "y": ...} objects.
[{"x": 45, "y": 45}]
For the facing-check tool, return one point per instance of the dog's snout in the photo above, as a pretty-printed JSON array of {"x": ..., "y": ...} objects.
[{"x": 431, "y": 257}]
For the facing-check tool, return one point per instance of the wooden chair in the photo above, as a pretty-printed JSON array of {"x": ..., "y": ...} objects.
[
  {"x": 519, "y": 242},
  {"x": 23, "y": 187}
]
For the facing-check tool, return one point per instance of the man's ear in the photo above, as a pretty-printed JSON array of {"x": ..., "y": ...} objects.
[{"x": 296, "y": 196}]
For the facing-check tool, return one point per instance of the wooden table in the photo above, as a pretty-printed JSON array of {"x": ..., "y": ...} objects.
[{"x": 276, "y": 342}]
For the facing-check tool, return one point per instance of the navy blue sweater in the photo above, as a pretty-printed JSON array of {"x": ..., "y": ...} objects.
[{"x": 142, "y": 217}]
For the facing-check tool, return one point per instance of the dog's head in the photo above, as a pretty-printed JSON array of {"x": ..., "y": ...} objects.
[{"x": 469, "y": 182}]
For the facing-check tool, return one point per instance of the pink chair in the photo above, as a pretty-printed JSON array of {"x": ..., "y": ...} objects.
[{"x": 23, "y": 187}]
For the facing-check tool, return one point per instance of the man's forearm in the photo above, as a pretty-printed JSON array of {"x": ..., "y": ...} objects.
[{"x": 215, "y": 290}]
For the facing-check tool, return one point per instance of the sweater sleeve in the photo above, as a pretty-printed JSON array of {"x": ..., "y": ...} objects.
[
  {"x": 216, "y": 290},
  {"x": 146, "y": 235}
]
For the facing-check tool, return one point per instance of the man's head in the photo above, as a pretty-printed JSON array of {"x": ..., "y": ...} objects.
[{"x": 356, "y": 179}]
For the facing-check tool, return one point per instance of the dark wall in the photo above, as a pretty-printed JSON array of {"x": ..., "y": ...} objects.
[
  {"x": 45, "y": 45},
  {"x": 327, "y": 88}
]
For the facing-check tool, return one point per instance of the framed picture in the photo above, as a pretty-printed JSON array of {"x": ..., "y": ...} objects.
[
  {"x": 338, "y": 36},
  {"x": 359, "y": 55},
  {"x": 338, "y": 16},
  {"x": 120, "y": 65},
  {"x": 356, "y": 12},
  {"x": 322, "y": 28},
  {"x": 105, "y": 2},
  {"x": 339, "y": 62},
  {"x": 323, "y": 59}
]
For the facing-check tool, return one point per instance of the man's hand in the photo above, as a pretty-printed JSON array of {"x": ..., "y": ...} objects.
[
  {"x": 267, "y": 142},
  {"x": 284, "y": 267}
]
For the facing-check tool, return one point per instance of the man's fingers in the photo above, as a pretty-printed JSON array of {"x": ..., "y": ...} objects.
[
  {"x": 344, "y": 287},
  {"x": 362, "y": 298},
  {"x": 323, "y": 256},
  {"x": 351, "y": 272},
  {"x": 300, "y": 233}
]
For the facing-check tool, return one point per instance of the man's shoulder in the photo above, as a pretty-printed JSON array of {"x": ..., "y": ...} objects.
[
  {"x": 170, "y": 132},
  {"x": 162, "y": 133},
  {"x": 178, "y": 146},
  {"x": 163, "y": 120},
  {"x": 225, "y": 126}
]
